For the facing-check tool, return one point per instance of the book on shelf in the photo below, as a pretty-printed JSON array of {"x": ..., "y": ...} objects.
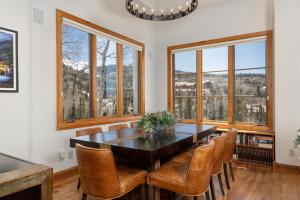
[
  {"x": 254, "y": 140},
  {"x": 254, "y": 155},
  {"x": 265, "y": 142}
]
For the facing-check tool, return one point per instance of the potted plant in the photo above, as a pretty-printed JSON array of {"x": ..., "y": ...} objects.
[
  {"x": 297, "y": 139},
  {"x": 157, "y": 121}
]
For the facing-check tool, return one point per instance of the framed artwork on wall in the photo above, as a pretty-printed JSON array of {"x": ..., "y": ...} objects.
[{"x": 8, "y": 60}]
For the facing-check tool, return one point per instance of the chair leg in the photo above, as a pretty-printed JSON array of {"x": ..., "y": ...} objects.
[
  {"x": 170, "y": 195},
  {"x": 226, "y": 176},
  {"x": 221, "y": 184},
  {"x": 207, "y": 195},
  {"x": 195, "y": 198},
  {"x": 78, "y": 184},
  {"x": 143, "y": 191},
  {"x": 84, "y": 196},
  {"x": 132, "y": 194},
  {"x": 231, "y": 171},
  {"x": 212, "y": 188}
]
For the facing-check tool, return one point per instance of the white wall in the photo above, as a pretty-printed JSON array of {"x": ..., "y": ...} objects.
[
  {"x": 14, "y": 107},
  {"x": 287, "y": 81},
  {"x": 226, "y": 18}
]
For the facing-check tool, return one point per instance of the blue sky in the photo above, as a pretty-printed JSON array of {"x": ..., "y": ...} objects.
[
  {"x": 83, "y": 56},
  {"x": 248, "y": 55},
  {"x": 5, "y": 36}
]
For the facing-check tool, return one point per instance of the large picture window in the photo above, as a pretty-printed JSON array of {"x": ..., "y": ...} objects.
[
  {"x": 99, "y": 74},
  {"x": 227, "y": 82}
]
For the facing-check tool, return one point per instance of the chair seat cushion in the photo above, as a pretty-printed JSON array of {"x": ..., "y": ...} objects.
[
  {"x": 170, "y": 176},
  {"x": 130, "y": 177}
]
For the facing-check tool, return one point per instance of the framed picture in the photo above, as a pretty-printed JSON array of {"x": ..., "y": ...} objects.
[{"x": 8, "y": 60}]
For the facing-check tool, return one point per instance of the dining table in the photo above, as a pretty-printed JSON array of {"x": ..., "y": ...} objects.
[{"x": 146, "y": 150}]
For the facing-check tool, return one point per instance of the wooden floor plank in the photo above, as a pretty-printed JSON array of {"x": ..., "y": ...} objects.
[{"x": 252, "y": 183}]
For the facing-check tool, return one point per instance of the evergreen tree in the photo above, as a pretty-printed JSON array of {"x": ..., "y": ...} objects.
[
  {"x": 258, "y": 91},
  {"x": 188, "y": 108},
  {"x": 221, "y": 111}
]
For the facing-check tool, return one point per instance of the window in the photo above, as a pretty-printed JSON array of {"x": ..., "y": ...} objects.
[
  {"x": 130, "y": 81},
  {"x": 251, "y": 84},
  {"x": 100, "y": 74},
  {"x": 215, "y": 83},
  {"x": 76, "y": 88},
  {"x": 227, "y": 82},
  {"x": 185, "y": 85},
  {"x": 106, "y": 77}
]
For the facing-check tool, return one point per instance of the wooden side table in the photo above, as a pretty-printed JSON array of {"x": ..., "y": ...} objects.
[{"x": 20, "y": 179}]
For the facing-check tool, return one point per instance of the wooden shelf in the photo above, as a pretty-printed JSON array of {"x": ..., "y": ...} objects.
[
  {"x": 253, "y": 146},
  {"x": 262, "y": 133}
]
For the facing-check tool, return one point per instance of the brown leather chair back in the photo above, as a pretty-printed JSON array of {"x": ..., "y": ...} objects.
[
  {"x": 88, "y": 131},
  {"x": 98, "y": 173},
  {"x": 219, "y": 153},
  {"x": 117, "y": 127},
  {"x": 229, "y": 145},
  {"x": 199, "y": 172}
]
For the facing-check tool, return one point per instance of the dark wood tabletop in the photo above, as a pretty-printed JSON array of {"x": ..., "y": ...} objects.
[{"x": 146, "y": 148}]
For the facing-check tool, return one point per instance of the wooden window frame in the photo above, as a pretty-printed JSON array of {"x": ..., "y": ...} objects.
[
  {"x": 231, "y": 76},
  {"x": 94, "y": 120}
]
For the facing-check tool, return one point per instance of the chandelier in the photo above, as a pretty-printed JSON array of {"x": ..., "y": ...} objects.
[{"x": 139, "y": 9}]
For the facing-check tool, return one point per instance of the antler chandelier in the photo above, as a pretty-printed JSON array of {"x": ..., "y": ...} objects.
[{"x": 141, "y": 10}]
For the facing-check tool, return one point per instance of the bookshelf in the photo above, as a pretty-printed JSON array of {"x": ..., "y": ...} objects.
[{"x": 254, "y": 147}]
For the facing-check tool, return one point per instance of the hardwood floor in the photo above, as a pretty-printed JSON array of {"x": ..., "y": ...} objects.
[{"x": 252, "y": 183}]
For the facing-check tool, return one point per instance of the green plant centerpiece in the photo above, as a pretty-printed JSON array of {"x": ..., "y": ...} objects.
[
  {"x": 157, "y": 121},
  {"x": 297, "y": 139}
]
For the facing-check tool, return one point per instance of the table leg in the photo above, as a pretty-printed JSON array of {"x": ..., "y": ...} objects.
[
  {"x": 154, "y": 193},
  {"x": 157, "y": 190}
]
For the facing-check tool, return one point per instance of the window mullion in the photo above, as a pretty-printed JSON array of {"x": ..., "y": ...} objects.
[
  {"x": 94, "y": 90},
  {"x": 231, "y": 87},
  {"x": 199, "y": 85},
  {"x": 120, "y": 79},
  {"x": 141, "y": 63},
  {"x": 171, "y": 81}
]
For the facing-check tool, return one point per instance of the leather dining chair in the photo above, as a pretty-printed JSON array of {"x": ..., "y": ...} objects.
[
  {"x": 101, "y": 178},
  {"x": 228, "y": 154},
  {"x": 217, "y": 163},
  {"x": 190, "y": 179},
  {"x": 88, "y": 131},
  {"x": 117, "y": 127},
  {"x": 83, "y": 132}
]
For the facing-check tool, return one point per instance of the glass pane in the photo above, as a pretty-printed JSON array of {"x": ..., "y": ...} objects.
[
  {"x": 215, "y": 108},
  {"x": 76, "y": 74},
  {"x": 185, "y": 107},
  {"x": 106, "y": 77},
  {"x": 251, "y": 82},
  {"x": 215, "y": 59},
  {"x": 185, "y": 85},
  {"x": 250, "y": 55},
  {"x": 130, "y": 81},
  {"x": 251, "y": 109},
  {"x": 215, "y": 83}
]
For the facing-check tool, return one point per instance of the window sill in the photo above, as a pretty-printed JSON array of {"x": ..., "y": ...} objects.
[
  {"x": 226, "y": 125},
  {"x": 94, "y": 121}
]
